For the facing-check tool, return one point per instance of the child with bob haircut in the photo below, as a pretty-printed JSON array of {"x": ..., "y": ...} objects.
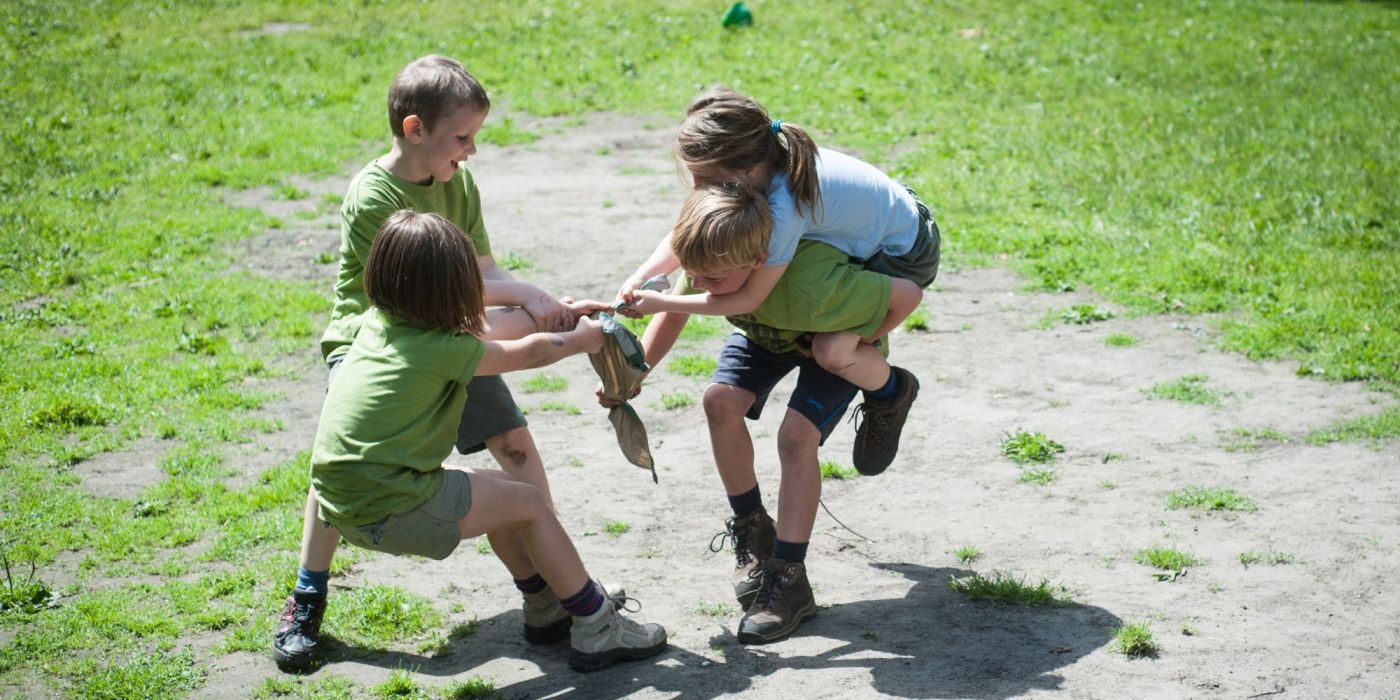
[
  {"x": 435, "y": 109},
  {"x": 391, "y": 416},
  {"x": 813, "y": 194},
  {"x": 720, "y": 238}
]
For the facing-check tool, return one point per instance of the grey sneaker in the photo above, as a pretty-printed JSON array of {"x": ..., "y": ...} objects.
[
  {"x": 878, "y": 424},
  {"x": 752, "y": 536},
  {"x": 784, "y": 601},
  {"x": 547, "y": 623},
  {"x": 606, "y": 637},
  {"x": 299, "y": 630}
]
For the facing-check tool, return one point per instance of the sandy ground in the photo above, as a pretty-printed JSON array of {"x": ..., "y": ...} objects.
[{"x": 587, "y": 202}]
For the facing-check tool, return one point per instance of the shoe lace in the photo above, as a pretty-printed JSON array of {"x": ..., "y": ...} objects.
[
  {"x": 768, "y": 579},
  {"x": 304, "y": 618},
  {"x": 621, "y": 602},
  {"x": 875, "y": 416},
  {"x": 737, "y": 533}
]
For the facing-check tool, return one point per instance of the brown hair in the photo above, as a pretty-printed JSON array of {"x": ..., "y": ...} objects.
[
  {"x": 722, "y": 227},
  {"x": 422, "y": 268},
  {"x": 433, "y": 87},
  {"x": 726, "y": 129}
]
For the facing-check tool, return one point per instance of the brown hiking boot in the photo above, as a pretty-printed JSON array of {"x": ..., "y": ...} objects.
[
  {"x": 783, "y": 602},
  {"x": 878, "y": 424},
  {"x": 299, "y": 630},
  {"x": 753, "y": 537}
]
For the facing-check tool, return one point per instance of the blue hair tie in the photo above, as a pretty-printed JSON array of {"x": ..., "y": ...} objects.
[{"x": 777, "y": 126}]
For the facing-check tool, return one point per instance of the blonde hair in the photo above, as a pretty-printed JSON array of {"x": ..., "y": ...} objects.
[
  {"x": 722, "y": 227},
  {"x": 433, "y": 87},
  {"x": 725, "y": 129},
  {"x": 422, "y": 268}
]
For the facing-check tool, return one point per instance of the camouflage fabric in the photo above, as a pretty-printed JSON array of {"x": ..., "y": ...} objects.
[{"x": 622, "y": 367}]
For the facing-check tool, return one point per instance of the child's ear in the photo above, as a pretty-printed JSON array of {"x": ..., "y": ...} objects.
[
  {"x": 413, "y": 128},
  {"x": 761, "y": 261}
]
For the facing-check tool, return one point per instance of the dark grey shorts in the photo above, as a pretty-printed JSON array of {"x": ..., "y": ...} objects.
[
  {"x": 431, "y": 530},
  {"x": 920, "y": 264},
  {"x": 490, "y": 411}
]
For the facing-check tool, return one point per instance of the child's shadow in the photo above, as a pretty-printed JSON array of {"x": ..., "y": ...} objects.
[{"x": 932, "y": 642}]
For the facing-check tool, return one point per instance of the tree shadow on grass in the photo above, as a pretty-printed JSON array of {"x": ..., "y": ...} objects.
[{"x": 932, "y": 642}]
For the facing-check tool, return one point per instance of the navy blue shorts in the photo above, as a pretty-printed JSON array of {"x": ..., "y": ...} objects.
[{"x": 821, "y": 397}]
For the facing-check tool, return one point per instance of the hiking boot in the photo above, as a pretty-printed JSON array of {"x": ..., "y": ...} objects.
[
  {"x": 783, "y": 602},
  {"x": 547, "y": 623},
  {"x": 753, "y": 537},
  {"x": 606, "y": 637},
  {"x": 294, "y": 644},
  {"x": 878, "y": 424}
]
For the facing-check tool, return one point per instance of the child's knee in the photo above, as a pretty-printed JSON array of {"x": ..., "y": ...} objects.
[
  {"x": 797, "y": 437},
  {"x": 723, "y": 402},
  {"x": 834, "y": 351},
  {"x": 515, "y": 445}
]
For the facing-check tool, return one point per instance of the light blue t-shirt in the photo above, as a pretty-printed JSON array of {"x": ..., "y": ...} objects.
[{"x": 862, "y": 211}]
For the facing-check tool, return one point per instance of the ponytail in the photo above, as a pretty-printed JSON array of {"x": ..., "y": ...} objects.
[{"x": 801, "y": 166}]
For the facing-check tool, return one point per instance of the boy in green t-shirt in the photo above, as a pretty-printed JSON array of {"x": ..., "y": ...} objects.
[
  {"x": 435, "y": 110},
  {"x": 721, "y": 238}
]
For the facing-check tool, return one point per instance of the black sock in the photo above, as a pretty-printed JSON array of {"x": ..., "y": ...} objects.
[
  {"x": 887, "y": 391},
  {"x": 746, "y": 502},
  {"x": 790, "y": 551}
]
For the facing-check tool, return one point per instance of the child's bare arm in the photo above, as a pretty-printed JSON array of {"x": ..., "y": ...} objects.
[
  {"x": 905, "y": 296},
  {"x": 508, "y": 323},
  {"x": 661, "y": 262},
  {"x": 502, "y": 289},
  {"x": 539, "y": 349},
  {"x": 743, "y": 300}
]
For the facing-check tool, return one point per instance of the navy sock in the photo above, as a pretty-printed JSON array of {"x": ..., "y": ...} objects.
[
  {"x": 790, "y": 551},
  {"x": 746, "y": 502},
  {"x": 318, "y": 581},
  {"x": 886, "y": 392},
  {"x": 534, "y": 584},
  {"x": 587, "y": 601}
]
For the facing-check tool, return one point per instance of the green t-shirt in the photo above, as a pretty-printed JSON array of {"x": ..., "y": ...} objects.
[
  {"x": 374, "y": 194},
  {"x": 821, "y": 291},
  {"x": 390, "y": 418}
]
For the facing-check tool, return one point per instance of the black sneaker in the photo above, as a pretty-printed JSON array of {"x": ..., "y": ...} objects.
[
  {"x": 783, "y": 602},
  {"x": 878, "y": 424},
  {"x": 753, "y": 537},
  {"x": 294, "y": 644}
]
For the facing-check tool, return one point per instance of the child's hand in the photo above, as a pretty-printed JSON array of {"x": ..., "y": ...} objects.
[
  {"x": 609, "y": 402},
  {"x": 591, "y": 333},
  {"x": 550, "y": 314},
  {"x": 624, "y": 293},
  {"x": 585, "y": 307},
  {"x": 646, "y": 302}
]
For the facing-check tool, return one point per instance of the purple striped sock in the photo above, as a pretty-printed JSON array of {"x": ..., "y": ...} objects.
[
  {"x": 587, "y": 601},
  {"x": 534, "y": 584}
]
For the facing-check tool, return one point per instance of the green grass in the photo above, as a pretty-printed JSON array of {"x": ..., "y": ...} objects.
[
  {"x": 967, "y": 554},
  {"x": 1203, "y": 498},
  {"x": 1084, "y": 314},
  {"x": 717, "y": 609},
  {"x": 1030, "y": 448},
  {"x": 1043, "y": 476},
  {"x": 1191, "y": 388},
  {"x": 127, "y": 312},
  {"x": 1166, "y": 558},
  {"x": 917, "y": 320},
  {"x": 1249, "y": 439},
  {"x": 399, "y": 684},
  {"x": 1269, "y": 557},
  {"x": 474, "y": 687},
  {"x": 673, "y": 400},
  {"x": 697, "y": 366},
  {"x": 834, "y": 471},
  {"x": 616, "y": 528},
  {"x": 514, "y": 263},
  {"x": 560, "y": 407},
  {"x": 1134, "y": 640},
  {"x": 547, "y": 383},
  {"x": 1120, "y": 340},
  {"x": 1006, "y": 589}
]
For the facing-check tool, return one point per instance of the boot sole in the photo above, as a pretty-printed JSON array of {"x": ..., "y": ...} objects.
[
  {"x": 292, "y": 662},
  {"x": 551, "y": 633},
  {"x": 750, "y": 637},
  {"x": 597, "y": 661}
]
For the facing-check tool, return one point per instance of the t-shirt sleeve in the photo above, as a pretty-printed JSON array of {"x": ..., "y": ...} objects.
[
  {"x": 361, "y": 220},
  {"x": 473, "y": 223},
  {"x": 465, "y": 353},
  {"x": 787, "y": 225}
]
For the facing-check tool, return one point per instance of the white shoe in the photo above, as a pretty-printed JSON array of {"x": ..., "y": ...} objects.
[
  {"x": 547, "y": 623},
  {"x": 606, "y": 637}
]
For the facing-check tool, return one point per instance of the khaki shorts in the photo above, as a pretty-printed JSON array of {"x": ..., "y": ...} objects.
[{"x": 430, "y": 530}]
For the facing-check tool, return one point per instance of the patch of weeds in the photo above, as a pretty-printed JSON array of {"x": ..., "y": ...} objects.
[
  {"x": 1120, "y": 340},
  {"x": 1248, "y": 439},
  {"x": 68, "y": 413},
  {"x": 1005, "y": 589},
  {"x": 833, "y": 471},
  {"x": 716, "y": 609},
  {"x": 290, "y": 192},
  {"x": 376, "y": 616},
  {"x": 1107, "y": 485},
  {"x": 916, "y": 320},
  {"x": 1202, "y": 498},
  {"x": 1189, "y": 630},
  {"x": 1378, "y": 429},
  {"x": 326, "y": 258},
  {"x": 616, "y": 528},
  {"x": 1170, "y": 560},
  {"x": 648, "y": 553},
  {"x": 1191, "y": 388},
  {"x": 697, "y": 366},
  {"x": 399, "y": 684},
  {"x": 1084, "y": 314},
  {"x": 561, "y": 407},
  {"x": 1271, "y": 558},
  {"x": 474, "y": 687},
  {"x": 483, "y": 545},
  {"x": 513, "y": 262},
  {"x": 675, "y": 399},
  {"x": 705, "y": 327},
  {"x": 967, "y": 554},
  {"x": 1026, "y": 448},
  {"x": 149, "y": 675},
  {"x": 1134, "y": 640},
  {"x": 551, "y": 383},
  {"x": 28, "y": 596},
  {"x": 1113, "y": 457},
  {"x": 1038, "y": 475}
]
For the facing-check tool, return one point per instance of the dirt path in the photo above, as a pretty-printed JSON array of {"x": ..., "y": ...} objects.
[{"x": 586, "y": 203}]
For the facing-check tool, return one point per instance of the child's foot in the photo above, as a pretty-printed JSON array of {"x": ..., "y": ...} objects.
[
  {"x": 783, "y": 602},
  {"x": 878, "y": 424},
  {"x": 299, "y": 631},
  {"x": 753, "y": 537},
  {"x": 547, "y": 623},
  {"x": 606, "y": 637}
]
